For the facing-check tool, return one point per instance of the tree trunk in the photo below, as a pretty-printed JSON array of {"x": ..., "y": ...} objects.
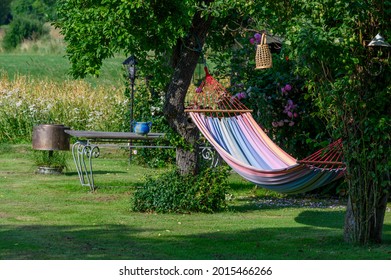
[
  {"x": 357, "y": 230},
  {"x": 377, "y": 221},
  {"x": 367, "y": 201},
  {"x": 185, "y": 58},
  {"x": 350, "y": 222}
]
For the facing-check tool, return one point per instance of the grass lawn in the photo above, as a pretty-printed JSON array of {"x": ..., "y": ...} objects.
[
  {"x": 53, "y": 217},
  {"x": 56, "y": 67}
]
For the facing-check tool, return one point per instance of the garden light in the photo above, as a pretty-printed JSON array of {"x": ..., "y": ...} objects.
[
  {"x": 378, "y": 41},
  {"x": 130, "y": 64},
  {"x": 380, "y": 49}
]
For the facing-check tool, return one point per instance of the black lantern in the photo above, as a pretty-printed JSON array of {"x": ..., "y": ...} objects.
[
  {"x": 130, "y": 64},
  {"x": 378, "y": 41}
]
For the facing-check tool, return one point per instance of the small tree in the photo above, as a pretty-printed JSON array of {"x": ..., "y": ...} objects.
[
  {"x": 349, "y": 84},
  {"x": 329, "y": 41}
]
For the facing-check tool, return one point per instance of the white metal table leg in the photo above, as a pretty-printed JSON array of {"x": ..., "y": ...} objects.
[{"x": 83, "y": 151}]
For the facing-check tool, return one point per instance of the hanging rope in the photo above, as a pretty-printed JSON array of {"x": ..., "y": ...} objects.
[
  {"x": 212, "y": 99},
  {"x": 329, "y": 157}
]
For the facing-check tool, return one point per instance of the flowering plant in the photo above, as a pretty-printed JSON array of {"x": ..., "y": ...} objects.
[{"x": 256, "y": 39}]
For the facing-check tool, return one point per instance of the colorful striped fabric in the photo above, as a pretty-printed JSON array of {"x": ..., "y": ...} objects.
[{"x": 252, "y": 154}]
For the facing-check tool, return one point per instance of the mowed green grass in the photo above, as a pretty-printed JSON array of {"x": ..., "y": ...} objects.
[
  {"x": 57, "y": 68},
  {"x": 54, "y": 217}
]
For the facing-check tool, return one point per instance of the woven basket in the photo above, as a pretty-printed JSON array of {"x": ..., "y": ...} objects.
[{"x": 263, "y": 56}]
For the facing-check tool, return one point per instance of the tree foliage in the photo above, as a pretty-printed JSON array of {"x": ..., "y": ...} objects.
[{"x": 96, "y": 30}]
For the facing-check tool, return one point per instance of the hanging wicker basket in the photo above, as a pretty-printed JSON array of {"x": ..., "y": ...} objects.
[{"x": 263, "y": 56}]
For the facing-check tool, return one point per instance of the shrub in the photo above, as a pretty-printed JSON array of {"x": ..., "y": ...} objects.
[
  {"x": 23, "y": 28},
  {"x": 172, "y": 192}
]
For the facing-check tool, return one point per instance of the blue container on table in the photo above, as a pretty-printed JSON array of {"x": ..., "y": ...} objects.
[{"x": 142, "y": 128}]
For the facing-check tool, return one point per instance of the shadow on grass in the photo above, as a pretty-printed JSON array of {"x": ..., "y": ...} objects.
[
  {"x": 126, "y": 242},
  {"x": 334, "y": 219}
]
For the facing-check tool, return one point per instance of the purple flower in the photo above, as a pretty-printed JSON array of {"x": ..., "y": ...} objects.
[
  {"x": 198, "y": 90},
  {"x": 291, "y": 123},
  {"x": 257, "y": 36},
  {"x": 288, "y": 87},
  {"x": 242, "y": 95},
  {"x": 283, "y": 90},
  {"x": 289, "y": 113},
  {"x": 252, "y": 41}
]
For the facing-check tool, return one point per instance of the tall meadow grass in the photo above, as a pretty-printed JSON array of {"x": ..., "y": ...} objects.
[{"x": 26, "y": 102}]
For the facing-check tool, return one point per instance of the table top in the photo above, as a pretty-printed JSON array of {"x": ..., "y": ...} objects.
[{"x": 113, "y": 135}]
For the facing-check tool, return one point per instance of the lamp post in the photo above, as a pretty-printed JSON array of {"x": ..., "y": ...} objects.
[{"x": 130, "y": 64}]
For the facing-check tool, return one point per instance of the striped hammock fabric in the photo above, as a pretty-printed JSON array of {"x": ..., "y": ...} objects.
[
  {"x": 229, "y": 126},
  {"x": 252, "y": 154}
]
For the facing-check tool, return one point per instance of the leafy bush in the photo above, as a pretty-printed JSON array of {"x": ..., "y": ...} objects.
[
  {"x": 172, "y": 192},
  {"x": 22, "y": 28}
]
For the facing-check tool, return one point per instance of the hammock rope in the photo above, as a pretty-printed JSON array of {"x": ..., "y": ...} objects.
[
  {"x": 229, "y": 126},
  {"x": 214, "y": 100}
]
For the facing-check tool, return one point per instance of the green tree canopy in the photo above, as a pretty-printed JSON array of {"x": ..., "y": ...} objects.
[{"x": 149, "y": 29}]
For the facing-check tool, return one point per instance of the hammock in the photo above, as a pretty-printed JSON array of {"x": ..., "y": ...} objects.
[{"x": 229, "y": 126}]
